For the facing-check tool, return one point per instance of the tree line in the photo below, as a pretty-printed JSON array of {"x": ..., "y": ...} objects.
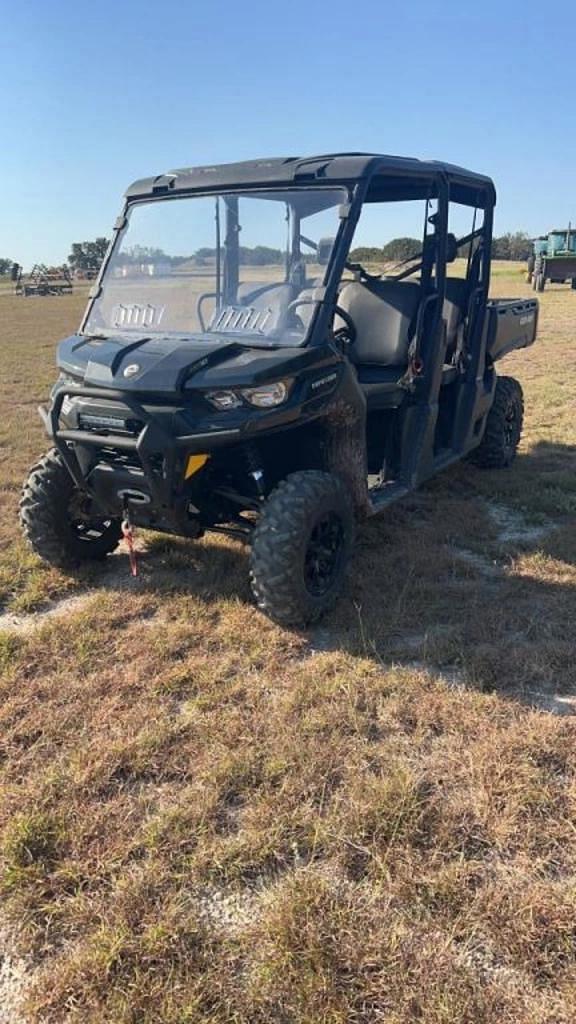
[
  {"x": 86, "y": 257},
  {"x": 511, "y": 246}
]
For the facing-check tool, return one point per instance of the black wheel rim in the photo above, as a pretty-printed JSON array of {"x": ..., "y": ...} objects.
[
  {"x": 324, "y": 554},
  {"x": 85, "y": 525}
]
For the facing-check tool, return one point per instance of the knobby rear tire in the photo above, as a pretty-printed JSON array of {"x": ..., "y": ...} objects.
[{"x": 498, "y": 447}]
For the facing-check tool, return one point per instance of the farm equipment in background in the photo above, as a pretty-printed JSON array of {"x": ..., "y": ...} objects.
[
  {"x": 553, "y": 259},
  {"x": 540, "y": 246},
  {"x": 43, "y": 280}
]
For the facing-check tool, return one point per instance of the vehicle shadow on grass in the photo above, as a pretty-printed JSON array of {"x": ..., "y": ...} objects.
[
  {"x": 168, "y": 568},
  {"x": 471, "y": 579},
  {"x": 211, "y": 569}
]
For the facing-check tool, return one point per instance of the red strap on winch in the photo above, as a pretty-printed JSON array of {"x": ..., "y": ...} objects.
[{"x": 128, "y": 534}]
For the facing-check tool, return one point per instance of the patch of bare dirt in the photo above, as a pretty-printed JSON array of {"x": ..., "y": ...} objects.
[
  {"x": 513, "y": 528},
  {"x": 116, "y": 577},
  {"x": 15, "y": 978}
]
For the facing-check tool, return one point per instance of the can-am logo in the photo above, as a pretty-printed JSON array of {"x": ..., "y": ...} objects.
[{"x": 131, "y": 370}]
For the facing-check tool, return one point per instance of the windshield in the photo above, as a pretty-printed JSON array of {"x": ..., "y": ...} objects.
[{"x": 244, "y": 265}]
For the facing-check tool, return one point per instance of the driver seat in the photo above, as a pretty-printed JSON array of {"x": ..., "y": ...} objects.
[{"x": 384, "y": 314}]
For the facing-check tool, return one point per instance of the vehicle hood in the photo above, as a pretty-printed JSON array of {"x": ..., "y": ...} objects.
[{"x": 168, "y": 364}]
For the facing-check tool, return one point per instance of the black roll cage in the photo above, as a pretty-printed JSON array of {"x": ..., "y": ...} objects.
[
  {"x": 382, "y": 180},
  {"x": 437, "y": 187}
]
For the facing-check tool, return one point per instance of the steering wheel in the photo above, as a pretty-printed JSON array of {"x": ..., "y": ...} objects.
[
  {"x": 202, "y": 298},
  {"x": 346, "y": 334},
  {"x": 300, "y": 302}
]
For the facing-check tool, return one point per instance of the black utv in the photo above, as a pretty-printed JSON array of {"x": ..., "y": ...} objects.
[{"x": 249, "y": 363}]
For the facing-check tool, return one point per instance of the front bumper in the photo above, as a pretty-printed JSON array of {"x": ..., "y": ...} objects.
[
  {"x": 158, "y": 448},
  {"x": 149, "y": 457}
]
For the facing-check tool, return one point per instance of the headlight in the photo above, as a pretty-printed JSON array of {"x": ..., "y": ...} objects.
[
  {"x": 224, "y": 399},
  {"x": 266, "y": 396}
]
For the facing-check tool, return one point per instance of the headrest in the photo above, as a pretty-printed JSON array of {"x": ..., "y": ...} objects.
[{"x": 451, "y": 247}]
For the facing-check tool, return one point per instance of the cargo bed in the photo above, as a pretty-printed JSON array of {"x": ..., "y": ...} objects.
[{"x": 511, "y": 324}]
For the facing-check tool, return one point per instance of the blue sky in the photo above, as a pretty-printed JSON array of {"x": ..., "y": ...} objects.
[{"x": 95, "y": 96}]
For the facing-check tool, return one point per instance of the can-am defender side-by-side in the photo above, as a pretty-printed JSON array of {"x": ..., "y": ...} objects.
[{"x": 239, "y": 369}]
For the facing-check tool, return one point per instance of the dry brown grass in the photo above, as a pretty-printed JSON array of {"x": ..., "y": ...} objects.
[{"x": 207, "y": 819}]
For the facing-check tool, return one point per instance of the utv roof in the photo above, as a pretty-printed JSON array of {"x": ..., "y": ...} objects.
[{"x": 390, "y": 178}]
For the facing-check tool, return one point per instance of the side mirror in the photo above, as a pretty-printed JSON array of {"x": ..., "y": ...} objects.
[{"x": 324, "y": 251}]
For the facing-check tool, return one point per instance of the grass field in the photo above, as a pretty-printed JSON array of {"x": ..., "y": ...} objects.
[{"x": 206, "y": 819}]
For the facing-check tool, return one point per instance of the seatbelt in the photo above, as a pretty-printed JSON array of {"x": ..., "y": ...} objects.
[
  {"x": 415, "y": 362},
  {"x": 468, "y": 324},
  {"x": 472, "y": 277}
]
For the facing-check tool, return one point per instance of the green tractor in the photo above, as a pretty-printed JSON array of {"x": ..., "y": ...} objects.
[{"x": 553, "y": 259}]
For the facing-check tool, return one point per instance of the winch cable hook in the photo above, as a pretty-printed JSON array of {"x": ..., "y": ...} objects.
[{"x": 128, "y": 535}]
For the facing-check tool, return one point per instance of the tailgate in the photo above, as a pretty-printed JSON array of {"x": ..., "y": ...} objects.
[{"x": 512, "y": 324}]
